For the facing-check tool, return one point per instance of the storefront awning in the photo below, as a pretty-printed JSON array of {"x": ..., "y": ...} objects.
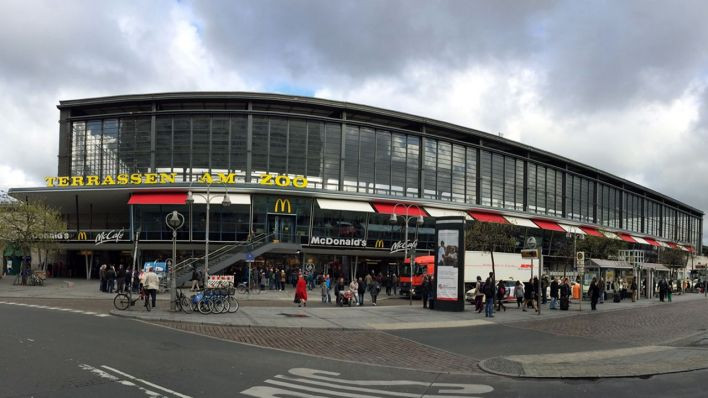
[
  {"x": 592, "y": 232},
  {"x": 216, "y": 199},
  {"x": 601, "y": 263},
  {"x": 572, "y": 229},
  {"x": 673, "y": 245},
  {"x": 347, "y": 205},
  {"x": 655, "y": 267},
  {"x": 611, "y": 235},
  {"x": 682, "y": 247},
  {"x": 626, "y": 238},
  {"x": 663, "y": 244},
  {"x": 437, "y": 212},
  {"x": 488, "y": 217},
  {"x": 158, "y": 198},
  {"x": 652, "y": 242},
  {"x": 391, "y": 208},
  {"x": 521, "y": 222},
  {"x": 690, "y": 248},
  {"x": 548, "y": 225},
  {"x": 640, "y": 240}
]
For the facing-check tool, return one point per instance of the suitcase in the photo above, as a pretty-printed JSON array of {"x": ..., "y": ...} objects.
[{"x": 564, "y": 303}]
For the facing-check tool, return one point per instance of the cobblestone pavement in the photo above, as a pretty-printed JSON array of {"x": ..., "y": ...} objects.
[
  {"x": 369, "y": 347},
  {"x": 658, "y": 324}
]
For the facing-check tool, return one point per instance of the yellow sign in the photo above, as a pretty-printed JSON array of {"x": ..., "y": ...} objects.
[
  {"x": 281, "y": 205},
  {"x": 379, "y": 244},
  {"x": 170, "y": 178},
  {"x": 81, "y": 235}
]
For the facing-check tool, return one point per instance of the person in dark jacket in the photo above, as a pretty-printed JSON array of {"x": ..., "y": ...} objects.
[
  {"x": 360, "y": 290},
  {"x": 488, "y": 290},
  {"x": 425, "y": 290},
  {"x": 111, "y": 279},
  {"x": 501, "y": 295},
  {"x": 121, "y": 279},
  {"x": 554, "y": 293},
  {"x": 338, "y": 287},
  {"x": 663, "y": 288},
  {"x": 594, "y": 292},
  {"x": 564, "y": 291}
]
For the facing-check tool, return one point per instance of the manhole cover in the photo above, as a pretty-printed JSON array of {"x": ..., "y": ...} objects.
[{"x": 294, "y": 315}]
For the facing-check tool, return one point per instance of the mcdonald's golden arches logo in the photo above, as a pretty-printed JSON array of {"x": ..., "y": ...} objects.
[
  {"x": 81, "y": 235},
  {"x": 379, "y": 244},
  {"x": 281, "y": 205}
]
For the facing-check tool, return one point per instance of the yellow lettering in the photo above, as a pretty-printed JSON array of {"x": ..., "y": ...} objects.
[
  {"x": 77, "y": 181},
  {"x": 50, "y": 181},
  {"x": 266, "y": 179},
  {"x": 108, "y": 180},
  {"x": 282, "y": 181},
  {"x": 167, "y": 177},
  {"x": 63, "y": 181},
  {"x": 136, "y": 179},
  {"x": 300, "y": 182},
  {"x": 92, "y": 180},
  {"x": 227, "y": 178},
  {"x": 122, "y": 179},
  {"x": 151, "y": 178},
  {"x": 206, "y": 178}
]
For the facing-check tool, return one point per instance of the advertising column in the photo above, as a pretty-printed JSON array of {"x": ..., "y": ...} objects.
[{"x": 449, "y": 264}]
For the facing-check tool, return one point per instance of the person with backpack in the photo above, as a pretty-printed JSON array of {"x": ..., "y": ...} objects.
[{"x": 501, "y": 295}]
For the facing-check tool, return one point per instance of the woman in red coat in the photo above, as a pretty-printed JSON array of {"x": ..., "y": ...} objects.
[{"x": 301, "y": 291}]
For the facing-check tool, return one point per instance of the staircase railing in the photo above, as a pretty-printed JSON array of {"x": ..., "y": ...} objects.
[{"x": 185, "y": 266}]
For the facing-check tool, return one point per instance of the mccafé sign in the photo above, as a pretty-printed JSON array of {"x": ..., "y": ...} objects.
[{"x": 170, "y": 178}]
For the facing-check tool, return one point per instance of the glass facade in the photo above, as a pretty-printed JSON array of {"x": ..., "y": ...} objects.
[{"x": 338, "y": 154}]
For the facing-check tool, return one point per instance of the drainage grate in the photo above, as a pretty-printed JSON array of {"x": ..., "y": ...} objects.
[{"x": 294, "y": 315}]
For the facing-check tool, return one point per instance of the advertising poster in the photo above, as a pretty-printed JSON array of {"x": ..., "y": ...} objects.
[
  {"x": 447, "y": 247},
  {"x": 447, "y": 283}
]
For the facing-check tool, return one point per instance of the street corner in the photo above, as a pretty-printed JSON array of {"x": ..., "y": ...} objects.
[{"x": 628, "y": 362}]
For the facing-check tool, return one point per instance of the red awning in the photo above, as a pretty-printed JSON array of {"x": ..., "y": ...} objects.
[
  {"x": 488, "y": 217},
  {"x": 158, "y": 198},
  {"x": 592, "y": 232},
  {"x": 673, "y": 245},
  {"x": 652, "y": 242},
  {"x": 690, "y": 248},
  {"x": 387, "y": 208},
  {"x": 549, "y": 225},
  {"x": 626, "y": 238}
]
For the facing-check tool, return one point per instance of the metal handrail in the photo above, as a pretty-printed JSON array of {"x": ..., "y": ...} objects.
[{"x": 183, "y": 265}]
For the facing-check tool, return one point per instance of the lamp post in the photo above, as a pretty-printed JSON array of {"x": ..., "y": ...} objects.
[
  {"x": 175, "y": 221},
  {"x": 407, "y": 218},
  {"x": 226, "y": 202}
]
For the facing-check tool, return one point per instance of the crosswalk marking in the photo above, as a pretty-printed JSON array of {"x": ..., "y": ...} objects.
[
  {"x": 313, "y": 383},
  {"x": 46, "y": 307}
]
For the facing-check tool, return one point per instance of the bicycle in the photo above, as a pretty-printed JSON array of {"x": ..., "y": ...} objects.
[
  {"x": 183, "y": 303},
  {"x": 122, "y": 301}
]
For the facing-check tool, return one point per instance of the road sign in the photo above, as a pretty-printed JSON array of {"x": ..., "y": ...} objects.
[
  {"x": 250, "y": 258},
  {"x": 529, "y": 253},
  {"x": 580, "y": 256},
  {"x": 531, "y": 242}
]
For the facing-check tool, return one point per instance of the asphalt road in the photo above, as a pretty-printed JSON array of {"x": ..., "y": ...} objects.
[{"x": 52, "y": 353}]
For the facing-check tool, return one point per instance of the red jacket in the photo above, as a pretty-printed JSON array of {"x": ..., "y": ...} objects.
[{"x": 301, "y": 289}]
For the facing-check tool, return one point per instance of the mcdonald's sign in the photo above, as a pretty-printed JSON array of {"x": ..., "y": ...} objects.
[
  {"x": 81, "y": 235},
  {"x": 379, "y": 244},
  {"x": 281, "y": 205}
]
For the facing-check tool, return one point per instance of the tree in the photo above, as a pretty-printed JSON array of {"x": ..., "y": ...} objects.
[
  {"x": 490, "y": 237},
  {"x": 25, "y": 226}
]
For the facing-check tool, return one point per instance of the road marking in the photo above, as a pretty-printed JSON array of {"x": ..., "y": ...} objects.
[
  {"x": 167, "y": 390},
  {"x": 45, "y": 307},
  {"x": 132, "y": 382},
  {"x": 429, "y": 325},
  {"x": 313, "y": 383}
]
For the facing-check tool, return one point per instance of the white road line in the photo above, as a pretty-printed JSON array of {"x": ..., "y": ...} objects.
[
  {"x": 272, "y": 392},
  {"x": 45, "y": 307},
  {"x": 167, "y": 390},
  {"x": 106, "y": 375},
  {"x": 317, "y": 390}
]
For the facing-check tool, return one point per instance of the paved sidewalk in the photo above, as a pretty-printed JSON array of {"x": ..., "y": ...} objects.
[{"x": 626, "y": 362}]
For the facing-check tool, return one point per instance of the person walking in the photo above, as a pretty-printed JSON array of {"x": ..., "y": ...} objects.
[
  {"x": 478, "y": 294},
  {"x": 501, "y": 295},
  {"x": 354, "y": 288},
  {"x": 565, "y": 295},
  {"x": 544, "y": 286},
  {"x": 425, "y": 290},
  {"x": 669, "y": 289},
  {"x": 519, "y": 294},
  {"x": 529, "y": 295},
  {"x": 489, "y": 298},
  {"x": 594, "y": 292},
  {"x": 102, "y": 278},
  {"x": 338, "y": 289},
  {"x": 633, "y": 288},
  {"x": 374, "y": 290},
  {"x": 394, "y": 283},
  {"x": 151, "y": 282},
  {"x": 361, "y": 289},
  {"x": 662, "y": 289},
  {"x": 431, "y": 292},
  {"x": 328, "y": 284},
  {"x": 301, "y": 291},
  {"x": 126, "y": 279},
  {"x": 195, "y": 279},
  {"x": 554, "y": 293},
  {"x": 282, "y": 280}
]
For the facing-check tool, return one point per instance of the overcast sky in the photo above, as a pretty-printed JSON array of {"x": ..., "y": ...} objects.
[{"x": 621, "y": 86}]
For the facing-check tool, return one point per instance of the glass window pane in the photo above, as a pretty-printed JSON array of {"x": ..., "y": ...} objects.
[
  {"x": 444, "y": 170},
  {"x": 333, "y": 149},
  {"x": 412, "y": 158},
  {"x": 367, "y": 158},
  {"x": 398, "y": 164},
  {"x": 278, "y": 146},
  {"x": 430, "y": 159},
  {"x": 351, "y": 158},
  {"x": 383, "y": 162}
]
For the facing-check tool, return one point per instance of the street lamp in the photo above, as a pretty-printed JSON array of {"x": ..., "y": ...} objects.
[
  {"x": 174, "y": 221},
  {"x": 226, "y": 202},
  {"x": 407, "y": 218}
]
